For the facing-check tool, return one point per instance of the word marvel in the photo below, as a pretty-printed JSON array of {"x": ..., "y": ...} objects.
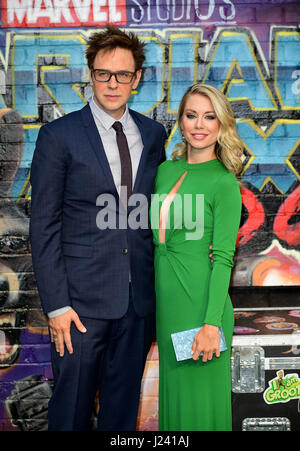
[{"x": 32, "y": 13}]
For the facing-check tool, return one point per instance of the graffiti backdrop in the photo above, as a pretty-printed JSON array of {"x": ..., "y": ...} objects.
[{"x": 248, "y": 49}]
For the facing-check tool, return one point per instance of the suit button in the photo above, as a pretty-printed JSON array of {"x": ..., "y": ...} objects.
[{"x": 125, "y": 250}]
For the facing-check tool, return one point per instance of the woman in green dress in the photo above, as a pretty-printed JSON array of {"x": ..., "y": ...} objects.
[{"x": 197, "y": 203}]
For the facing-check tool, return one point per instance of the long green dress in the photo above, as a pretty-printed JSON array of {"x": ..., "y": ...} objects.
[{"x": 191, "y": 290}]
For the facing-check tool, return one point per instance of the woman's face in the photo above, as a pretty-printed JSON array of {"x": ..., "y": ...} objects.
[{"x": 199, "y": 124}]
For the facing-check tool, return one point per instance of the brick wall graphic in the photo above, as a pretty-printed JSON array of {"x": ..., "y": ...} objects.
[{"x": 248, "y": 49}]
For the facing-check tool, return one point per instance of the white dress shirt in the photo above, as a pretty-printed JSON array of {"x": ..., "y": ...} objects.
[{"x": 104, "y": 124}]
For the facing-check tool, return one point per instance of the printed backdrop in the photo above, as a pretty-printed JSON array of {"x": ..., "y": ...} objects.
[{"x": 250, "y": 49}]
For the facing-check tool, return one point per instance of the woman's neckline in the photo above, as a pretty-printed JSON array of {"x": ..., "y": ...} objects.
[{"x": 197, "y": 165}]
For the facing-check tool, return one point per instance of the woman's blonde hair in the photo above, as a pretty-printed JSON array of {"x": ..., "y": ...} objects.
[{"x": 229, "y": 146}]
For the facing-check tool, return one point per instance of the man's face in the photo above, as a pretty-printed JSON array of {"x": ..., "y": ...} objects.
[{"x": 112, "y": 96}]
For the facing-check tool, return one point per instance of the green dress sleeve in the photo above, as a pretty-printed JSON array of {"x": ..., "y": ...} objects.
[{"x": 226, "y": 206}]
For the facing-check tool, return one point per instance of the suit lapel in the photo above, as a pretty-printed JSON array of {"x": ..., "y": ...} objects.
[
  {"x": 97, "y": 146},
  {"x": 146, "y": 140}
]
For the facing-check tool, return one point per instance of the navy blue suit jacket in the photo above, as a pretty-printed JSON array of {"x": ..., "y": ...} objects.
[{"x": 75, "y": 262}]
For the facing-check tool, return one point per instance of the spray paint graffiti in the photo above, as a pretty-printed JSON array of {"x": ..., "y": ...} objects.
[
  {"x": 43, "y": 75},
  {"x": 21, "y": 321}
]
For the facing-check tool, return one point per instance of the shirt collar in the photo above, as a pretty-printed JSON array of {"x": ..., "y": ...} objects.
[{"x": 105, "y": 119}]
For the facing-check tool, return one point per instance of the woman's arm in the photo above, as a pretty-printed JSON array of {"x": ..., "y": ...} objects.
[{"x": 226, "y": 215}]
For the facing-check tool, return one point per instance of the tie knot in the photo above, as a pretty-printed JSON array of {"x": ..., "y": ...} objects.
[{"x": 117, "y": 126}]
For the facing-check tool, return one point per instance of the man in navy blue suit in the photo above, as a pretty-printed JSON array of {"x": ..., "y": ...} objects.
[{"x": 96, "y": 284}]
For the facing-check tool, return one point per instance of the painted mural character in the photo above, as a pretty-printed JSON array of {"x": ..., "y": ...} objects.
[
  {"x": 96, "y": 286},
  {"x": 193, "y": 395},
  {"x": 26, "y": 404},
  {"x": 13, "y": 226}
]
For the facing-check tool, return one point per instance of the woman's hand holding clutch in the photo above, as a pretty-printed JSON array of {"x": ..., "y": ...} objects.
[{"x": 207, "y": 342}]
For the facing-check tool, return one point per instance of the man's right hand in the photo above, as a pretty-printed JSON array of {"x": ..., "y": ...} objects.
[{"x": 60, "y": 330}]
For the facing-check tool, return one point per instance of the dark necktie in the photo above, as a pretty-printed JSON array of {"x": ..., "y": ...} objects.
[{"x": 126, "y": 169}]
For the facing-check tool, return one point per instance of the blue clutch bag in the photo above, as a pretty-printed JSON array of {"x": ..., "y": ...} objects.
[{"x": 183, "y": 342}]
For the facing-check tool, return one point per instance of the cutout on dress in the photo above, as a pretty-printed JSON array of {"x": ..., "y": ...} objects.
[{"x": 165, "y": 207}]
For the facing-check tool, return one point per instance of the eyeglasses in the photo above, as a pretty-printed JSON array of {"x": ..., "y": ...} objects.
[{"x": 121, "y": 76}]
